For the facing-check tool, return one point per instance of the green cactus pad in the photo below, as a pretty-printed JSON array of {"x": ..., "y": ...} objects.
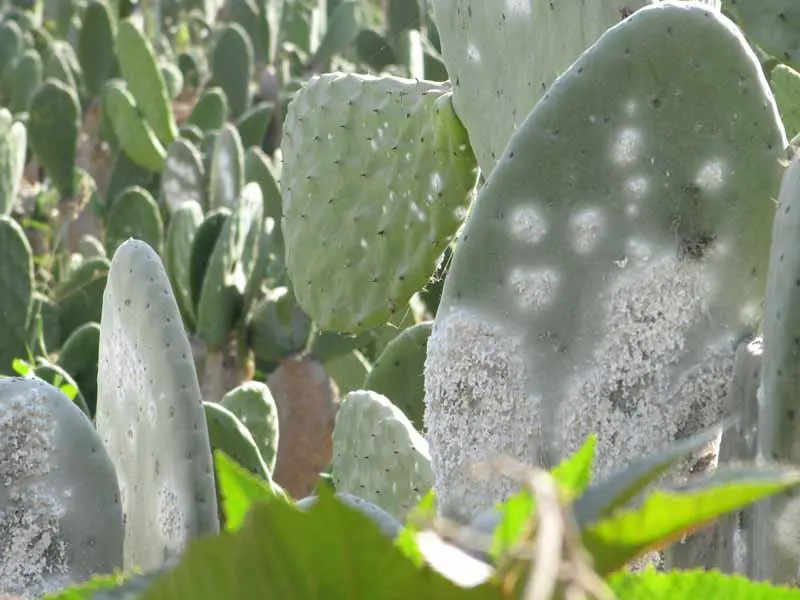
[
  {"x": 253, "y": 123},
  {"x": 183, "y": 177},
  {"x": 54, "y": 121},
  {"x": 79, "y": 357},
  {"x": 613, "y": 260},
  {"x": 96, "y": 46},
  {"x": 16, "y": 281},
  {"x": 398, "y": 372},
  {"x": 772, "y": 24},
  {"x": 227, "y": 168},
  {"x": 26, "y": 79},
  {"x": 786, "y": 87},
  {"x": 147, "y": 382},
  {"x": 137, "y": 139},
  {"x": 139, "y": 68},
  {"x": 378, "y": 455},
  {"x": 173, "y": 78},
  {"x": 11, "y": 44},
  {"x": 279, "y": 328},
  {"x": 230, "y": 268},
  {"x": 348, "y": 371},
  {"x": 211, "y": 110},
  {"x": 397, "y": 183},
  {"x": 493, "y": 92},
  {"x": 62, "y": 65},
  {"x": 134, "y": 214},
  {"x": 127, "y": 173},
  {"x": 60, "y": 514},
  {"x": 13, "y": 149},
  {"x": 232, "y": 67},
  {"x": 229, "y": 434},
  {"x": 202, "y": 247},
  {"x": 253, "y": 405},
  {"x": 183, "y": 226},
  {"x": 258, "y": 168},
  {"x": 80, "y": 297}
]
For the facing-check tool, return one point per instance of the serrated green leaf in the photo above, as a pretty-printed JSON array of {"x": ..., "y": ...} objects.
[
  {"x": 622, "y": 486},
  {"x": 692, "y": 585},
  {"x": 667, "y": 515},
  {"x": 329, "y": 551},
  {"x": 239, "y": 489}
]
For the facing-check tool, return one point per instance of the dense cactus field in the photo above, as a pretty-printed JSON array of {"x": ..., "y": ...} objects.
[{"x": 452, "y": 299}]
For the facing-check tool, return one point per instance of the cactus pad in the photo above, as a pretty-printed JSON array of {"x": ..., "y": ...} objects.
[
  {"x": 378, "y": 455},
  {"x": 253, "y": 404},
  {"x": 60, "y": 514},
  {"x": 16, "y": 281},
  {"x": 147, "y": 382},
  {"x": 375, "y": 207},
  {"x": 773, "y": 24},
  {"x": 614, "y": 259}
]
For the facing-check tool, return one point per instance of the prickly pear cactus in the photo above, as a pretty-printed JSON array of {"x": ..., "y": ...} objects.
[
  {"x": 581, "y": 294},
  {"x": 60, "y": 513},
  {"x": 398, "y": 184},
  {"x": 134, "y": 214},
  {"x": 493, "y": 92},
  {"x": 227, "y": 169},
  {"x": 137, "y": 139},
  {"x": 778, "y": 397},
  {"x": 232, "y": 67},
  {"x": 786, "y": 87},
  {"x": 183, "y": 226},
  {"x": 773, "y": 24},
  {"x": 147, "y": 382},
  {"x": 183, "y": 177},
  {"x": 227, "y": 433},
  {"x": 13, "y": 149},
  {"x": 253, "y": 404},
  {"x": 370, "y": 435},
  {"x": 398, "y": 372},
  {"x": 16, "y": 281},
  {"x": 53, "y": 126}
]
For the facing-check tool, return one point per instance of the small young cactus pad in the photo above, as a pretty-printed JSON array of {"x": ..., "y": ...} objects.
[
  {"x": 378, "y": 455},
  {"x": 60, "y": 513},
  {"x": 253, "y": 404},
  {"x": 376, "y": 176},
  {"x": 614, "y": 259},
  {"x": 150, "y": 414}
]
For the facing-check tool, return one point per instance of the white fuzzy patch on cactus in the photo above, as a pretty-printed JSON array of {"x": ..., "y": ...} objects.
[
  {"x": 640, "y": 385},
  {"x": 476, "y": 368},
  {"x": 528, "y": 224}
]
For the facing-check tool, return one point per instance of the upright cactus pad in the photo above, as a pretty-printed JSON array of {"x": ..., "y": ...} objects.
[
  {"x": 183, "y": 177},
  {"x": 375, "y": 207},
  {"x": 227, "y": 168},
  {"x": 253, "y": 404},
  {"x": 53, "y": 126},
  {"x": 779, "y": 394},
  {"x": 150, "y": 414},
  {"x": 230, "y": 268},
  {"x": 378, "y": 455},
  {"x": 96, "y": 51},
  {"x": 183, "y": 226},
  {"x": 140, "y": 70},
  {"x": 60, "y": 514},
  {"x": 13, "y": 148},
  {"x": 134, "y": 214},
  {"x": 232, "y": 67},
  {"x": 398, "y": 372},
  {"x": 614, "y": 259},
  {"x": 773, "y": 24},
  {"x": 16, "y": 281},
  {"x": 227, "y": 433},
  {"x": 503, "y": 56}
]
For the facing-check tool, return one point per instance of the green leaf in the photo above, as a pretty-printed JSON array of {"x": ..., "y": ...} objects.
[
  {"x": 239, "y": 489},
  {"x": 330, "y": 551},
  {"x": 516, "y": 513},
  {"x": 667, "y": 515},
  {"x": 423, "y": 513},
  {"x": 691, "y": 585},
  {"x": 621, "y": 487}
]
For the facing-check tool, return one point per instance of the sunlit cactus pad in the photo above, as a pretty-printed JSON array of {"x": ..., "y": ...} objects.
[
  {"x": 615, "y": 257},
  {"x": 376, "y": 177},
  {"x": 378, "y": 455}
]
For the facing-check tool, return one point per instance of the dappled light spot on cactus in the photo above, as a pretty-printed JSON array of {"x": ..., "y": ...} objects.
[
  {"x": 637, "y": 186},
  {"x": 711, "y": 176},
  {"x": 639, "y": 250},
  {"x": 528, "y": 224},
  {"x": 630, "y": 107},
  {"x": 473, "y": 54},
  {"x": 534, "y": 288},
  {"x": 476, "y": 367},
  {"x": 585, "y": 230},
  {"x": 627, "y": 146},
  {"x": 518, "y": 8}
]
